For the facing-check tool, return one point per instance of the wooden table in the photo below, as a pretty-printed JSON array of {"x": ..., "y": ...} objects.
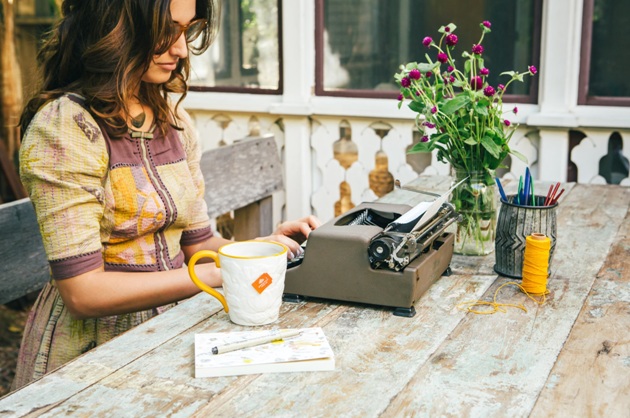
[{"x": 567, "y": 358}]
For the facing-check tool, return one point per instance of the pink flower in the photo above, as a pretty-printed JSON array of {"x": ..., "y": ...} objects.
[
  {"x": 429, "y": 125},
  {"x": 442, "y": 57},
  {"x": 450, "y": 68},
  {"x": 486, "y": 24},
  {"x": 507, "y": 122},
  {"x": 489, "y": 91},
  {"x": 400, "y": 97},
  {"x": 532, "y": 70},
  {"x": 433, "y": 109},
  {"x": 501, "y": 87},
  {"x": 484, "y": 71},
  {"x": 476, "y": 83},
  {"x": 515, "y": 110},
  {"x": 451, "y": 39},
  {"x": 429, "y": 74},
  {"x": 414, "y": 74},
  {"x": 424, "y": 139},
  {"x": 405, "y": 82},
  {"x": 427, "y": 41},
  {"x": 477, "y": 49}
]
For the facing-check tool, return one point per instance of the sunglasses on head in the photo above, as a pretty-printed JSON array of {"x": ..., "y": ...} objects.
[{"x": 191, "y": 31}]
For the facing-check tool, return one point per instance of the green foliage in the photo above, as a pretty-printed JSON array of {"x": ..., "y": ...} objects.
[{"x": 461, "y": 116}]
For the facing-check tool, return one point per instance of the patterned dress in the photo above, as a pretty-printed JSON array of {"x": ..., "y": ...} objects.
[{"x": 128, "y": 204}]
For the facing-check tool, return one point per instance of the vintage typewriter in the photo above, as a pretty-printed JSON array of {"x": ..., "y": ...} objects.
[{"x": 377, "y": 253}]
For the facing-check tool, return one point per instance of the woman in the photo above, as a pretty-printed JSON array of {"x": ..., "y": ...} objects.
[{"x": 112, "y": 168}]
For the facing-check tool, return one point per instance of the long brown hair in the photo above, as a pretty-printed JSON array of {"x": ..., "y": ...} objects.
[{"x": 101, "y": 48}]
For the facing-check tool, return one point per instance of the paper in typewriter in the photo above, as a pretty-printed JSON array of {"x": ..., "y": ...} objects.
[{"x": 429, "y": 208}]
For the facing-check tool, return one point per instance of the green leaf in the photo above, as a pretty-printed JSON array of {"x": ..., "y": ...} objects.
[
  {"x": 424, "y": 67},
  {"x": 510, "y": 73},
  {"x": 490, "y": 146},
  {"x": 455, "y": 104},
  {"x": 420, "y": 147},
  {"x": 481, "y": 108},
  {"x": 519, "y": 155},
  {"x": 471, "y": 141},
  {"x": 416, "y": 107}
]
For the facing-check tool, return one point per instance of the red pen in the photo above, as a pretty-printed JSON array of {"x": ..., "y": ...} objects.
[
  {"x": 548, "y": 195},
  {"x": 553, "y": 193},
  {"x": 555, "y": 200}
]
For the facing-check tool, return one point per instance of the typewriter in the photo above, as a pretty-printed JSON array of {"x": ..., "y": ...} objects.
[{"x": 377, "y": 253}]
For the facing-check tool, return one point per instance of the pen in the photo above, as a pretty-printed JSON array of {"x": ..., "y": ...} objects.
[
  {"x": 501, "y": 191},
  {"x": 528, "y": 179},
  {"x": 220, "y": 349},
  {"x": 555, "y": 200},
  {"x": 520, "y": 187}
]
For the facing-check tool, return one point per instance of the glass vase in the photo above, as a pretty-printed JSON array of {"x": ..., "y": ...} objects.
[{"x": 476, "y": 200}]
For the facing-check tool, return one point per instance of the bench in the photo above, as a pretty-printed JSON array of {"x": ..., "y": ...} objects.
[{"x": 241, "y": 177}]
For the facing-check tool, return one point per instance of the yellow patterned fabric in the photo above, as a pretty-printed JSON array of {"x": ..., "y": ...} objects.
[{"x": 127, "y": 204}]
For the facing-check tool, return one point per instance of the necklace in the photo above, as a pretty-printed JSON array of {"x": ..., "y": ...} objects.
[{"x": 138, "y": 121}]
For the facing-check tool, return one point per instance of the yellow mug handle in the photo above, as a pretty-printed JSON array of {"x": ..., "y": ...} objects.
[{"x": 201, "y": 285}]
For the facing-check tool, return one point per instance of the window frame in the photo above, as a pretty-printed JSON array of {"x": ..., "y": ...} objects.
[
  {"x": 585, "y": 64},
  {"x": 252, "y": 90},
  {"x": 532, "y": 97}
]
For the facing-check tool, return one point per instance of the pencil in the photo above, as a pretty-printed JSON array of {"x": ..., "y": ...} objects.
[
  {"x": 554, "y": 201},
  {"x": 220, "y": 349}
]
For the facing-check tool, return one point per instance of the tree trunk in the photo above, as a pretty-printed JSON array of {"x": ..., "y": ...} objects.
[{"x": 11, "y": 88}]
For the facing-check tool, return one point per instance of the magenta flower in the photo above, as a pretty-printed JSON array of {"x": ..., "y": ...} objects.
[
  {"x": 415, "y": 74},
  {"x": 477, "y": 49},
  {"x": 405, "y": 82},
  {"x": 429, "y": 74},
  {"x": 442, "y": 57},
  {"x": 451, "y": 39},
  {"x": 507, "y": 122},
  {"x": 532, "y": 70},
  {"x": 501, "y": 87},
  {"x": 427, "y": 41},
  {"x": 486, "y": 24},
  {"x": 515, "y": 110},
  {"x": 429, "y": 125},
  {"x": 484, "y": 71},
  {"x": 451, "y": 79},
  {"x": 447, "y": 29},
  {"x": 489, "y": 91},
  {"x": 433, "y": 109},
  {"x": 476, "y": 83},
  {"x": 450, "y": 68},
  {"x": 400, "y": 97},
  {"x": 425, "y": 138}
]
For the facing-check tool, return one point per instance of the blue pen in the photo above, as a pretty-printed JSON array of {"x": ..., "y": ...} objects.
[
  {"x": 503, "y": 196},
  {"x": 528, "y": 179}
]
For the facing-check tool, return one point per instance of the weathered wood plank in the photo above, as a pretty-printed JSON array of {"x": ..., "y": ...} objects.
[
  {"x": 592, "y": 374},
  {"x": 104, "y": 360},
  {"x": 498, "y": 364},
  {"x": 24, "y": 264},
  {"x": 367, "y": 343}
]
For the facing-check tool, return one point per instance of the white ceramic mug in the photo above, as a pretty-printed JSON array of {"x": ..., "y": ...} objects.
[{"x": 253, "y": 275}]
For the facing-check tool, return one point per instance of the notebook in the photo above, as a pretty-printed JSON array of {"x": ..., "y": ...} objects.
[{"x": 308, "y": 351}]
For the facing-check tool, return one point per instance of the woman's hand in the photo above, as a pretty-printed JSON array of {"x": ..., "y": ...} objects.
[{"x": 294, "y": 233}]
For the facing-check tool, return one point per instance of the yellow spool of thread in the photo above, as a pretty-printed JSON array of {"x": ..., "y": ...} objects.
[
  {"x": 534, "y": 282},
  {"x": 536, "y": 264}
]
